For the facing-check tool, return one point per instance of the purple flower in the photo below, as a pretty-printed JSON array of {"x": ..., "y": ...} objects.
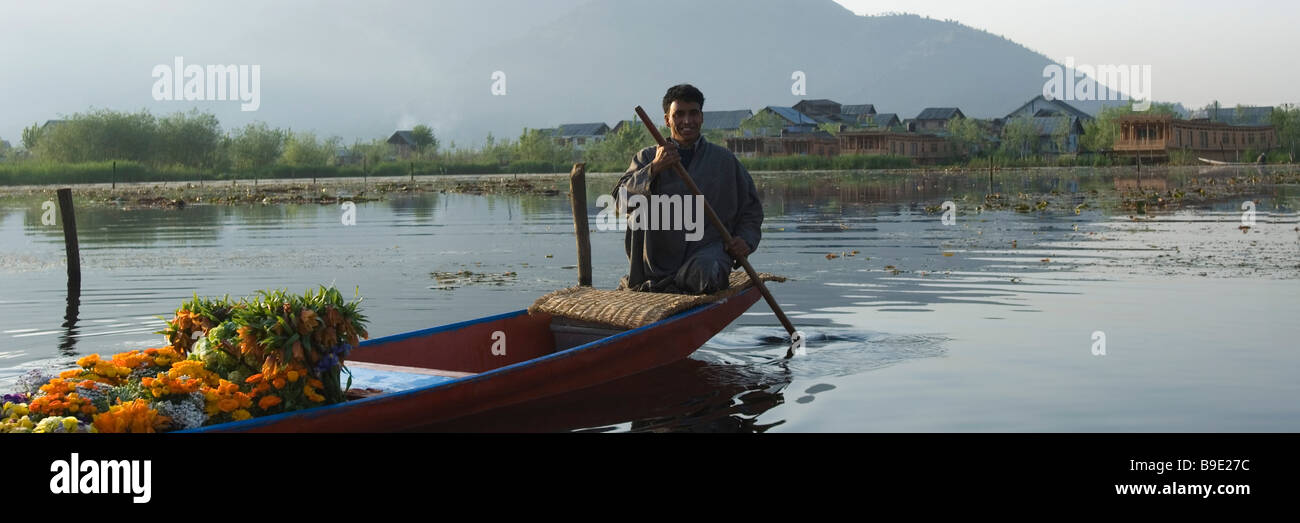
[{"x": 15, "y": 398}]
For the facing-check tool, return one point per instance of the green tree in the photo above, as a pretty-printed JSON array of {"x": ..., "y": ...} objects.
[
  {"x": 191, "y": 139},
  {"x": 375, "y": 152},
  {"x": 256, "y": 146},
  {"x": 616, "y": 150},
  {"x": 425, "y": 143},
  {"x": 31, "y": 137},
  {"x": 303, "y": 149},
  {"x": 501, "y": 152},
  {"x": 1286, "y": 124},
  {"x": 967, "y": 135},
  {"x": 537, "y": 145},
  {"x": 99, "y": 136},
  {"x": 1061, "y": 134},
  {"x": 765, "y": 123},
  {"x": 1020, "y": 137}
]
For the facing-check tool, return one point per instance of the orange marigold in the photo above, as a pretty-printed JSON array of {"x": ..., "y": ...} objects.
[{"x": 268, "y": 401}]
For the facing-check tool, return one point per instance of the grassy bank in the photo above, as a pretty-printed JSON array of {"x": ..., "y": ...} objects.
[{"x": 47, "y": 173}]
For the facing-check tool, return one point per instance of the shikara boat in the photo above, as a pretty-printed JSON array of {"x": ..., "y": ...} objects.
[
  {"x": 416, "y": 379},
  {"x": 1222, "y": 163}
]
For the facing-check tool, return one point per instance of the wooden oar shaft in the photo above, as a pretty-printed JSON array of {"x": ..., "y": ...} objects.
[{"x": 717, "y": 224}]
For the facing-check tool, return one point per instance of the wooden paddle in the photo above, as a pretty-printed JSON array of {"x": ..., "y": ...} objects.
[{"x": 796, "y": 337}]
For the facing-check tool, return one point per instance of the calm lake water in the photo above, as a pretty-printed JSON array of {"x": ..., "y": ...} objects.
[{"x": 986, "y": 324}]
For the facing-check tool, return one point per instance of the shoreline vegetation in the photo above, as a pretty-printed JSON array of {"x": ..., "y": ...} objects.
[
  {"x": 104, "y": 146},
  {"x": 1154, "y": 189}
]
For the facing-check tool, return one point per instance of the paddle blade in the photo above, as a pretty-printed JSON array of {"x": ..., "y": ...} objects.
[{"x": 797, "y": 345}]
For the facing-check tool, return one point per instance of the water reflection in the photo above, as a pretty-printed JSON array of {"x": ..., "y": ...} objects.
[
  {"x": 68, "y": 339},
  {"x": 862, "y": 250},
  {"x": 686, "y": 396}
]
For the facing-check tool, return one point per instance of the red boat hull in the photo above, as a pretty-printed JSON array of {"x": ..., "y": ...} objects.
[{"x": 514, "y": 361}]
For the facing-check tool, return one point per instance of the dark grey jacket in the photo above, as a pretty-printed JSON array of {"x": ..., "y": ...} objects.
[{"x": 655, "y": 255}]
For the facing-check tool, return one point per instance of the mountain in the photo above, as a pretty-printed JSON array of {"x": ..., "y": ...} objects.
[
  {"x": 602, "y": 58},
  {"x": 361, "y": 69}
]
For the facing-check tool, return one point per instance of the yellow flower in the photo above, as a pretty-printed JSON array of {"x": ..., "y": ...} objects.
[{"x": 240, "y": 415}]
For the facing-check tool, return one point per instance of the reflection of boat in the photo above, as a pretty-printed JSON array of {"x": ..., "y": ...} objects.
[
  {"x": 448, "y": 372},
  {"x": 689, "y": 395}
]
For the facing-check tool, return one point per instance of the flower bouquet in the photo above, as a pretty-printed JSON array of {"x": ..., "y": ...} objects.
[{"x": 225, "y": 361}]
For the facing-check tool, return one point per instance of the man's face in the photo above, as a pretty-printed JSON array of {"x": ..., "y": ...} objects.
[{"x": 684, "y": 120}]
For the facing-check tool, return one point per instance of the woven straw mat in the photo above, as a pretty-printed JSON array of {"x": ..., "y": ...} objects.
[{"x": 629, "y": 309}]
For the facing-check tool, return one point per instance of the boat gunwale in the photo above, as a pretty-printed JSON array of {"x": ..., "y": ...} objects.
[{"x": 506, "y": 369}]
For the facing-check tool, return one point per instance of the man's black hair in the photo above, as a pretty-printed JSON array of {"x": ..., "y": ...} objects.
[{"x": 683, "y": 93}]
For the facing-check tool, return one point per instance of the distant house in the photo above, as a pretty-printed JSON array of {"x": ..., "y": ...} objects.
[
  {"x": 789, "y": 116},
  {"x": 727, "y": 121},
  {"x": 345, "y": 156},
  {"x": 857, "y": 110},
  {"x": 580, "y": 134},
  {"x": 821, "y": 110},
  {"x": 935, "y": 119},
  {"x": 404, "y": 143},
  {"x": 1155, "y": 136},
  {"x": 1041, "y": 106},
  {"x": 1047, "y": 126},
  {"x": 921, "y": 148},
  {"x": 621, "y": 123},
  {"x": 1255, "y": 116},
  {"x": 882, "y": 120},
  {"x": 794, "y": 141}
]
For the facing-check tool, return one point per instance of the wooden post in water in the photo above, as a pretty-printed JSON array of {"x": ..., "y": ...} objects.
[
  {"x": 578, "y": 200},
  {"x": 115, "y": 174},
  {"x": 70, "y": 238}
]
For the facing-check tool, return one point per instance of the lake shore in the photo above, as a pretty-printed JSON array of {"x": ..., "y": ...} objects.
[{"x": 1127, "y": 192}]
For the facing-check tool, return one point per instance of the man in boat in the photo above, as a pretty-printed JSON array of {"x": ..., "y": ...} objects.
[{"x": 664, "y": 259}]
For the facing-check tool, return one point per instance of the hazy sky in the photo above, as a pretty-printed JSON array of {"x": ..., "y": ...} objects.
[
  {"x": 361, "y": 69},
  {"x": 1242, "y": 51}
]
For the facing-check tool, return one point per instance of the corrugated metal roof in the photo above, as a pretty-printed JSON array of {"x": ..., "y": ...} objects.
[
  {"x": 1055, "y": 106},
  {"x": 818, "y": 107},
  {"x": 402, "y": 136},
  {"x": 1228, "y": 115},
  {"x": 791, "y": 115},
  {"x": 858, "y": 109},
  {"x": 725, "y": 120},
  {"x": 885, "y": 119},
  {"x": 1046, "y": 125},
  {"x": 939, "y": 113},
  {"x": 583, "y": 129}
]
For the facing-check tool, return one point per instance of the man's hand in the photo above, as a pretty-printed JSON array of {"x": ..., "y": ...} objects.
[
  {"x": 664, "y": 158},
  {"x": 737, "y": 248}
]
